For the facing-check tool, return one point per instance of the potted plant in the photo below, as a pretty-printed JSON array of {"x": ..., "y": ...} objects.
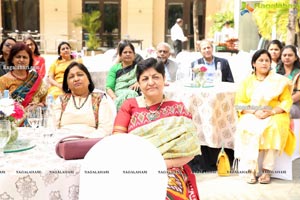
[{"x": 90, "y": 22}]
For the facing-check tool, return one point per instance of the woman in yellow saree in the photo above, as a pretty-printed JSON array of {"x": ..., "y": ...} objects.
[
  {"x": 166, "y": 124},
  {"x": 263, "y": 102},
  {"x": 58, "y": 67}
]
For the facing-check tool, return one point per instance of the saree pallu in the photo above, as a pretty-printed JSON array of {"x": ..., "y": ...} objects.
[
  {"x": 26, "y": 92},
  {"x": 172, "y": 132},
  {"x": 124, "y": 79}
]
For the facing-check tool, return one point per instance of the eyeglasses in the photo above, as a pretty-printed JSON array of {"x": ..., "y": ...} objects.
[
  {"x": 8, "y": 45},
  {"x": 163, "y": 51}
]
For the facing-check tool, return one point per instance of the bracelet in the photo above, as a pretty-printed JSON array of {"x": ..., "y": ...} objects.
[{"x": 274, "y": 112}]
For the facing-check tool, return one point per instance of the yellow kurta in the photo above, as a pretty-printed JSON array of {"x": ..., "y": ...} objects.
[
  {"x": 271, "y": 133},
  {"x": 57, "y": 70}
]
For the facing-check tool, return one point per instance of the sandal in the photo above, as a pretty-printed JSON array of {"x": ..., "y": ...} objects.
[
  {"x": 265, "y": 178},
  {"x": 251, "y": 178}
]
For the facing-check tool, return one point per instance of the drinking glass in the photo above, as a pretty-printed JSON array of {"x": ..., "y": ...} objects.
[
  {"x": 34, "y": 117},
  {"x": 5, "y": 132}
]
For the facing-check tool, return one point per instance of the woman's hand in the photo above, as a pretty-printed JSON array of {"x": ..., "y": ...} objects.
[{"x": 135, "y": 86}]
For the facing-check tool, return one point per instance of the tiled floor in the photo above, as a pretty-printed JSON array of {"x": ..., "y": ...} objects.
[{"x": 213, "y": 187}]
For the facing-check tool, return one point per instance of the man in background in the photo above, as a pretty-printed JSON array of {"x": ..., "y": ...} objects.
[
  {"x": 163, "y": 53},
  {"x": 211, "y": 61},
  {"x": 177, "y": 36}
]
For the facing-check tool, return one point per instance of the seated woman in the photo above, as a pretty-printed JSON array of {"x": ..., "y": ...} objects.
[
  {"x": 38, "y": 61},
  {"x": 24, "y": 84},
  {"x": 80, "y": 109},
  {"x": 121, "y": 81},
  {"x": 290, "y": 67},
  {"x": 165, "y": 123},
  {"x": 274, "y": 48},
  {"x": 263, "y": 101},
  {"x": 5, "y": 48},
  {"x": 58, "y": 67}
]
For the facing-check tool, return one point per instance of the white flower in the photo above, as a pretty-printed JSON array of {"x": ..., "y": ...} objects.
[{"x": 7, "y": 106}]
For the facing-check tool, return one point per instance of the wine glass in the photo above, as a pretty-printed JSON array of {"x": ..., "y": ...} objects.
[
  {"x": 34, "y": 117},
  {"x": 5, "y": 132}
]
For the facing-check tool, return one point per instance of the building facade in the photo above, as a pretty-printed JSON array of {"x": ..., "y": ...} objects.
[{"x": 147, "y": 20}]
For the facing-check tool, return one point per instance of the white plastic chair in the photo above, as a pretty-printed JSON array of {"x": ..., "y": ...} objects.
[{"x": 123, "y": 166}]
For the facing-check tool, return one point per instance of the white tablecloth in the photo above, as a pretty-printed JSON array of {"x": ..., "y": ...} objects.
[
  {"x": 212, "y": 109},
  {"x": 39, "y": 173}
]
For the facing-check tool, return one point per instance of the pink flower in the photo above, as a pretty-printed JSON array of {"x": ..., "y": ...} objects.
[
  {"x": 202, "y": 69},
  {"x": 18, "y": 111}
]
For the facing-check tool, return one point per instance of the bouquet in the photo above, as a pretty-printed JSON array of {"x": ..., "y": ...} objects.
[{"x": 12, "y": 111}]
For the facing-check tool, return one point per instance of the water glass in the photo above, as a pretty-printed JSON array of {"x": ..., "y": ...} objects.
[
  {"x": 34, "y": 117},
  {"x": 5, "y": 131}
]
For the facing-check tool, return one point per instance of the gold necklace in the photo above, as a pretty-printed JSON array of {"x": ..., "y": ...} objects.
[
  {"x": 79, "y": 107},
  {"x": 154, "y": 114}
]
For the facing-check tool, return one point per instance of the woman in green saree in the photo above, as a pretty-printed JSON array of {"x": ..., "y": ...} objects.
[{"x": 121, "y": 82}]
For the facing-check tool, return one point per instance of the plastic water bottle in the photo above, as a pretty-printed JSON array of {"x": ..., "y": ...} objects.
[
  {"x": 49, "y": 119},
  {"x": 6, "y": 94},
  {"x": 218, "y": 74}
]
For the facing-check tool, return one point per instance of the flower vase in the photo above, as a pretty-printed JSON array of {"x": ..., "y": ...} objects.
[
  {"x": 199, "y": 80},
  {"x": 14, "y": 133}
]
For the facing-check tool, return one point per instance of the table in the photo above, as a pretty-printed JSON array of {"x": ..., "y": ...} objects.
[
  {"x": 39, "y": 173},
  {"x": 212, "y": 109},
  {"x": 214, "y": 116}
]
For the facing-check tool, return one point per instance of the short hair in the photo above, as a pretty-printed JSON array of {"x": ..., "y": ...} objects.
[
  {"x": 122, "y": 44},
  {"x": 58, "y": 49},
  {"x": 65, "y": 86},
  {"x": 257, "y": 54},
  {"x": 36, "y": 49},
  {"x": 205, "y": 41},
  {"x": 163, "y": 44},
  {"x": 178, "y": 20},
  {"x": 19, "y": 46},
  {"x": 147, "y": 64}
]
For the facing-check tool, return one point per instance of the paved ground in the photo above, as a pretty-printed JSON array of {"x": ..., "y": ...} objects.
[{"x": 213, "y": 187}]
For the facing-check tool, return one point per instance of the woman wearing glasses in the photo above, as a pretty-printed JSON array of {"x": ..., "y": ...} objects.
[
  {"x": 5, "y": 48},
  {"x": 58, "y": 67}
]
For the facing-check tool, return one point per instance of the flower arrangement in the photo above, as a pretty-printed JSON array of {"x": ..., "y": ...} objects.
[
  {"x": 12, "y": 111},
  {"x": 199, "y": 71}
]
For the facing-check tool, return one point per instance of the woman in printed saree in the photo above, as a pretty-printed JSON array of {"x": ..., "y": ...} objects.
[
  {"x": 263, "y": 102},
  {"x": 290, "y": 67},
  {"x": 165, "y": 123},
  {"x": 24, "y": 84},
  {"x": 121, "y": 81},
  {"x": 58, "y": 67}
]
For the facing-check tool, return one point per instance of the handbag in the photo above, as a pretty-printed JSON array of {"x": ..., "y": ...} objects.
[
  {"x": 223, "y": 163},
  {"x": 74, "y": 147}
]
